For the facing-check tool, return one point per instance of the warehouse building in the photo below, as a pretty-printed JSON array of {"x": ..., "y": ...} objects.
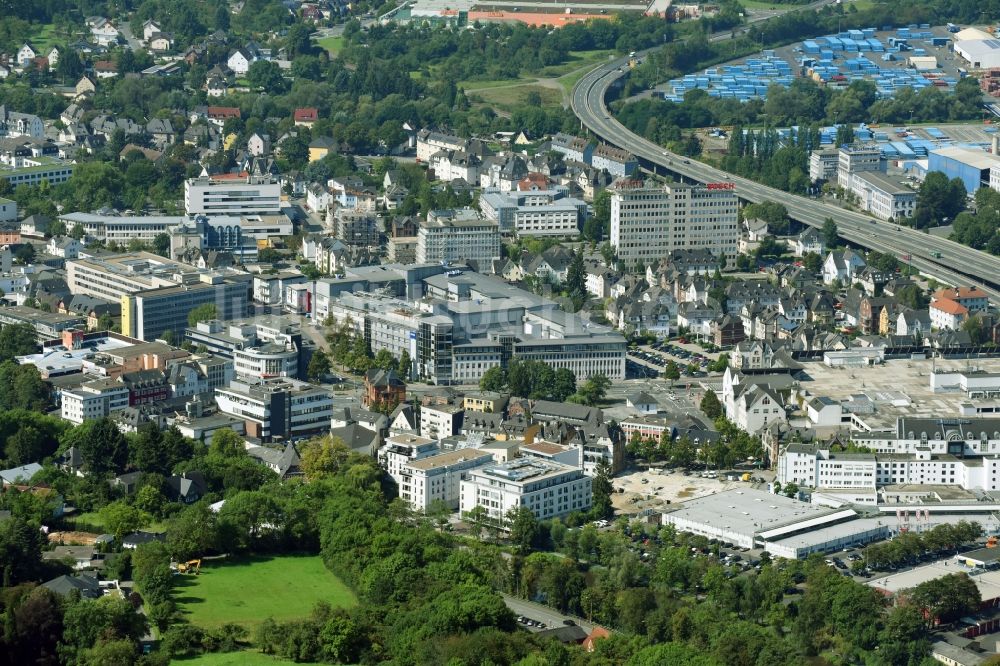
[
  {"x": 970, "y": 164},
  {"x": 979, "y": 53},
  {"x": 784, "y": 527}
]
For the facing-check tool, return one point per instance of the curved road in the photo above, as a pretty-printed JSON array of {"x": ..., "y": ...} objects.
[{"x": 957, "y": 264}]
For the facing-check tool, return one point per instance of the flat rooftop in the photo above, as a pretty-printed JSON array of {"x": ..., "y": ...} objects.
[
  {"x": 449, "y": 458},
  {"x": 830, "y": 533},
  {"x": 899, "y": 387},
  {"x": 522, "y": 470},
  {"x": 747, "y": 510},
  {"x": 988, "y": 582},
  {"x": 60, "y": 360}
]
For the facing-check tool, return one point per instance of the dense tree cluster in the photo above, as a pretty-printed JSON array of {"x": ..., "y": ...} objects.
[
  {"x": 906, "y": 548},
  {"x": 530, "y": 379}
]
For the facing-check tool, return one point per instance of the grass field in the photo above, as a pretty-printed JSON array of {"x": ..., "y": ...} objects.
[
  {"x": 93, "y": 520},
  {"x": 234, "y": 659},
  {"x": 332, "y": 44},
  {"x": 512, "y": 96},
  {"x": 42, "y": 38},
  {"x": 763, "y": 4},
  {"x": 248, "y": 591}
]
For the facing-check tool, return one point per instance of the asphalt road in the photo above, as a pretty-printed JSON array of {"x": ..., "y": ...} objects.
[
  {"x": 551, "y": 617},
  {"x": 956, "y": 265}
]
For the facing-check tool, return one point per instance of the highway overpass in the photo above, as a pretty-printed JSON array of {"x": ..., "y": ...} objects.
[{"x": 946, "y": 260}]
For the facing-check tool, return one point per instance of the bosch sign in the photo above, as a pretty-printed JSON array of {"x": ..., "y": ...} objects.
[{"x": 721, "y": 186}]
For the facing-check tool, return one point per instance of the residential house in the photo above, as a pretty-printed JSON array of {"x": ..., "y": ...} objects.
[
  {"x": 306, "y": 116},
  {"x": 161, "y": 42},
  {"x": 216, "y": 86},
  {"x": 239, "y": 61},
  {"x": 105, "y": 69},
  {"x": 150, "y": 28},
  {"x": 320, "y": 147},
  {"x": 259, "y": 144},
  {"x": 914, "y": 323},
  {"x": 642, "y": 402},
  {"x": 383, "y": 387},
  {"x": 25, "y": 55},
  {"x": 946, "y": 314},
  {"x": 808, "y": 241},
  {"x": 104, "y": 33},
  {"x": 842, "y": 266}
]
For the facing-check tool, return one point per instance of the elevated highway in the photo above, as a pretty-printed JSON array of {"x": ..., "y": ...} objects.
[{"x": 946, "y": 260}]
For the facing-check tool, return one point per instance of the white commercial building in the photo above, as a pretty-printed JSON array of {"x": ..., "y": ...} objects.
[
  {"x": 438, "y": 478},
  {"x": 457, "y": 235},
  {"x": 858, "y": 159},
  {"x": 882, "y": 196},
  {"x": 647, "y": 223},
  {"x": 121, "y": 229},
  {"x": 534, "y": 212},
  {"x": 979, "y": 53},
  {"x": 549, "y": 489},
  {"x": 244, "y": 195},
  {"x": 93, "y": 400},
  {"x": 280, "y": 408}
]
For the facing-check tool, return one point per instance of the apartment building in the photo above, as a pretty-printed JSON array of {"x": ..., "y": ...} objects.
[
  {"x": 648, "y": 222},
  {"x": 549, "y": 489},
  {"x": 400, "y": 450},
  {"x": 232, "y": 195},
  {"x": 93, "y": 400},
  {"x": 438, "y": 478},
  {"x": 616, "y": 161},
  {"x": 278, "y": 408},
  {"x": 534, "y": 212},
  {"x": 440, "y": 421},
  {"x": 457, "y": 235}
]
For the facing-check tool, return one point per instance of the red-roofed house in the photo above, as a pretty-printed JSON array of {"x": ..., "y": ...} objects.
[
  {"x": 597, "y": 634},
  {"x": 973, "y": 298},
  {"x": 105, "y": 69},
  {"x": 220, "y": 114},
  {"x": 533, "y": 181},
  {"x": 305, "y": 117},
  {"x": 947, "y": 314}
]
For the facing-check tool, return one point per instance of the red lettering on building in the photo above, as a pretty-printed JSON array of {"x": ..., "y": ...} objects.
[{"x": 721, "y": 186}]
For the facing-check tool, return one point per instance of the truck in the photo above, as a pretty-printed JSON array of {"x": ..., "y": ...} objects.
[{"x": 936, "y": 254}]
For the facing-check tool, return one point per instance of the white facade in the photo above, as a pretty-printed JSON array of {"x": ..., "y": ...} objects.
[
  {"x": 534, "y": 213},
  {"x": 549, "y": 489},
  {"x": 647, "y": 223},
  {"x": 93, "y": 400},
  {"x": 440, "y": 421},
  {"x": 882, "y": 196},
  {"x": 438, "y": 478},
  {"x": 283, "y": 408},
  {"x": 252, "y": 195},
  {"x": 400, "y": 450},
  {"x": 858, "y": 159},
  {"x": 947, "y": 315},
  {"x": 449, "y": 236},
  {"x": 8, "y": 210}
]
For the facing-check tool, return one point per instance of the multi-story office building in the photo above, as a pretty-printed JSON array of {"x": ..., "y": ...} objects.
[
  {"x": 858, "y": 159},
  {"x": 279, "y": 408},
  {"x": 356, "y": 227},
  {"x": 438, "y": 478},
  {"x": 457, "y": 235},
  {"x": 94, "y": 400},
  {"x": 114, "y": 276},
  {"x": 649, "y": 222},
  {"x": 234, "y": 195},
  {"x": 534, "y": 212},
  {"x": 823, "y": 164},
  {"x": 47, "y": 325},
  {"x": 38, "y": 169},
  {"x": 148, "y": 314},
  {"x": 883, "y": 196},
  {"x": 260, "y": 348},
  {"x": 121, "y": 229},
  {"x": 549, "y": 489}
]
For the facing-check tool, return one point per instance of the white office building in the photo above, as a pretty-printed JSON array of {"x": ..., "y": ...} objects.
[
  {"x": 457, "y": 235},
  {"x": 882, "y": 196},
  {"x": 242, "y": 195},
  {"x": 279, "y": 408},
  {"x": 648, "y": 222},
  {"x": 534, "y": 212},
  {"x": 549, "y": 489},
  {"x": 858, "y": 159}
]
